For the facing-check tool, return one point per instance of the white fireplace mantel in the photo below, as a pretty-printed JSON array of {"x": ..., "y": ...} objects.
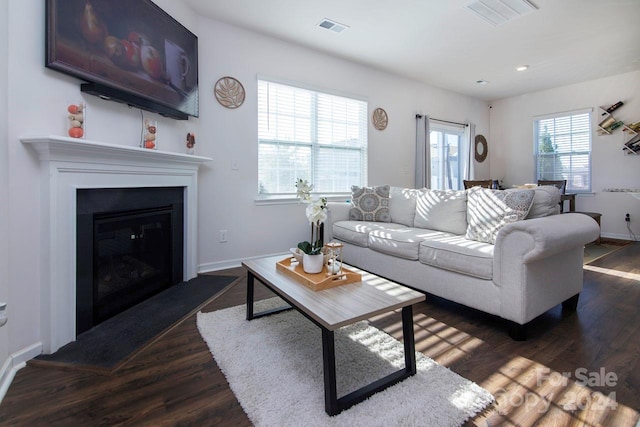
[{"x": 69, "y": 164}]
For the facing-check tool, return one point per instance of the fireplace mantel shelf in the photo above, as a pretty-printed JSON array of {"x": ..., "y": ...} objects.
[{"x": 52, "y": 146}]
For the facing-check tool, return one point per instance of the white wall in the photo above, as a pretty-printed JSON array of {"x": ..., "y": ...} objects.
[
  {"x": 4, "y": 179},
  {"x": 227, "y": 196},
  {"x": 511, "y": 145}
]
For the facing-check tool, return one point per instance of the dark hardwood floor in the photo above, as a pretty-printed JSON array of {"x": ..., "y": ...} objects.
[{"x": 175, "y": 381}]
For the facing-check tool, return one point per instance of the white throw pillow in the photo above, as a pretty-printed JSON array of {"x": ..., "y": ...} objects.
[
  {"x": 490, "y": 210},
  {"x": 442, "y": 210},
  {"x": 402, "y": 205}
]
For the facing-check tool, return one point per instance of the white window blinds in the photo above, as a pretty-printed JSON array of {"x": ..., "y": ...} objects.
[
  {"x": 309, "y": 135},
  {"x": 562, "y": 146}
]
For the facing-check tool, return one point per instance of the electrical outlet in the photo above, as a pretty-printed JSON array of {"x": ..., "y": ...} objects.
[
  {"x": 627, "y": 218},
  {"x": 223, "y": 236}
]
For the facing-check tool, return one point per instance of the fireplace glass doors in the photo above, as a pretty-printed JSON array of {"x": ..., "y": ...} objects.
[{"x": 132, "y": 259}]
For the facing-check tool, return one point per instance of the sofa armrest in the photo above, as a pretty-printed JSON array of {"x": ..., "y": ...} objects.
[
  {"x": 336, "y": 211},
  {"x": 537, "y": 263},
  {"x": 547, "y": 236}
]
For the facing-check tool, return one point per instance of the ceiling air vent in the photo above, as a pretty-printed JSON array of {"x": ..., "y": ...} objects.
[
  {"x": 334, "y": 26},
  {"x": 497, "y": 12}
]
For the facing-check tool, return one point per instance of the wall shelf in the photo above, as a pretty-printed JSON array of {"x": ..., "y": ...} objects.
[{"x": 608, "y": 124}]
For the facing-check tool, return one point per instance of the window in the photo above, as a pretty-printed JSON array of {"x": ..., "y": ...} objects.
[
  {"x": 446, "y": 151},
  {"x": 563, "y": 149},
  {"x": 309, "y": 135}
]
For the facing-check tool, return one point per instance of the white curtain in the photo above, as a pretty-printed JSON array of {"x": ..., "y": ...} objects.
[
  {"x": 423, "y": 155},
  {"x": 469, "y": 150}
]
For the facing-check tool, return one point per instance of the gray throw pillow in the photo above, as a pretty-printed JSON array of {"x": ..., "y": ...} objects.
[
  {"x": 370, "y": 204},
  {"x": 490, "y": 210}
]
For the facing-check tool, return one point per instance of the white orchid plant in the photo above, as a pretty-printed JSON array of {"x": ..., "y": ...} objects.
[{"x": 316, "y": 212}]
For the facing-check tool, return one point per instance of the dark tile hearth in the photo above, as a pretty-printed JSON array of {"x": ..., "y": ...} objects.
[{"x": 105, "y": 346}]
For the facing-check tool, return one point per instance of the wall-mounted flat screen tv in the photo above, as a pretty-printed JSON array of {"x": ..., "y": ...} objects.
[{"x": 129, "y": 51}]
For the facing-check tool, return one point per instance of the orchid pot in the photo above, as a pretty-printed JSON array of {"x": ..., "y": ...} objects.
[{"x": 312, "y": 264}]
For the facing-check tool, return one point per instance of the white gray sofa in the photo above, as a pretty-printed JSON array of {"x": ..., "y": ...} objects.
[{"x": 533, "y": 265}]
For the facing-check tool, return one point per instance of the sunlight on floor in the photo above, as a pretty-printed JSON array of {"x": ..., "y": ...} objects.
[
  {"x": 622, "y": 274},
  {"x": 442, "y": 343},
  {"x": 529, "y": 393}
]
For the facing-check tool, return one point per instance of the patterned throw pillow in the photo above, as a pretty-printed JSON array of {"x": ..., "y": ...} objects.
[
  {"x": 490, "y": 210},
  {"x": 370, "y": 204}
]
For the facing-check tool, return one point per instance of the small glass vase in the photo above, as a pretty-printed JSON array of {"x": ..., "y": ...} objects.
[
  {"x": 150, "y": 135},
  {"x": 312, "y": 264},
  {"x": 76, "y": 117}
]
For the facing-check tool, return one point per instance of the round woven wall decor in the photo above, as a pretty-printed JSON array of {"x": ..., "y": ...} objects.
[
  {"x": 481, "y": 148},
  {"x": 229, "y": 92},
  {"x": 380, "y": 119}
]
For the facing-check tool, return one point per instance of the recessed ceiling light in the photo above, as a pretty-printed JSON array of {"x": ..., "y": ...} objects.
[
  {"x": 482, "y": 82},
  {"x": 334, "y": 26},
  {"x": 522, "y": 68}
]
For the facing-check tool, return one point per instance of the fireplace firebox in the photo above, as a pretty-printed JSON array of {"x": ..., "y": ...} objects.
[{"x": 129, "y": 247}]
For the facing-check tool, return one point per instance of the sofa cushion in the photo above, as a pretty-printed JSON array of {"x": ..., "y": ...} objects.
[
  {"x": 370, "y": 204},
  {"x": 357, "y": 232},
  {"x": 402, "y": 205},
  {"x": 545, "y": 202},
  {"x": 490, "y": 210},
  {"x": 455, "y": 253},
  {"x": 401, "y": 243},
  {"x": 442, "y": 210}
]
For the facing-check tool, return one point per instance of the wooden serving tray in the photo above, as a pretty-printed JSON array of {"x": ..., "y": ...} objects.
[{"x": 318, "y": 281}]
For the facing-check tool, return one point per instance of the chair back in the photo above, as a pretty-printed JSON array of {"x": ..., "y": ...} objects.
[
  {"x": 486, "y": 183},
  {"x": 561, "y": 184}
]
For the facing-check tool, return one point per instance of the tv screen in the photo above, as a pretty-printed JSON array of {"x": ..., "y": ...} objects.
[{"x": 129, "y": 51}]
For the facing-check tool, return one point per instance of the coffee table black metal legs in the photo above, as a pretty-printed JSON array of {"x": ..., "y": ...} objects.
[
  {"x": 250, "y": 314},
  {"x": 334, "y": 405}
]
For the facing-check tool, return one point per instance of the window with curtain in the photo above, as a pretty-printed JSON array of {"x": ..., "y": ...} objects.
[
  {"x": 309, "y": 135},
  {"x": 562, "y": 147},
  {"x": 446, "y": 150}
]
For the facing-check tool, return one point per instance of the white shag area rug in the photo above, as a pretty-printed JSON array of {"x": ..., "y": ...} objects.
[{"x": 274, "y": 367}]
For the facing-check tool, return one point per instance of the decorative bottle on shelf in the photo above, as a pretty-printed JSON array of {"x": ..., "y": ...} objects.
[
  {"x": 614, "y": 126},
  {"x": 607, "y": 122},
  {"x": 634, "y": 143},
  {"x": 614, "y": 107}
]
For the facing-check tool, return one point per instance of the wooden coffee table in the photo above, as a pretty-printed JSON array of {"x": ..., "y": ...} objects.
[{"x": 334, "y": 308}]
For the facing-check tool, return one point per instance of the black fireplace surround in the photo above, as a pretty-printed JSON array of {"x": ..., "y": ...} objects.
[{"x": 129, "y": 247}]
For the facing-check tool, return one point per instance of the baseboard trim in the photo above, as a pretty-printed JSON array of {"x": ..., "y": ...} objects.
[
  {"x": 14, "y": 363},
  {"x": 234, "y": 263},
  {"x": 617, "y": 236},
  {"x": 215, "y": 266}
]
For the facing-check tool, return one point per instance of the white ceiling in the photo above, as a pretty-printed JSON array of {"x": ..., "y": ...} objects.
[{"x": 442, "y": 43}]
